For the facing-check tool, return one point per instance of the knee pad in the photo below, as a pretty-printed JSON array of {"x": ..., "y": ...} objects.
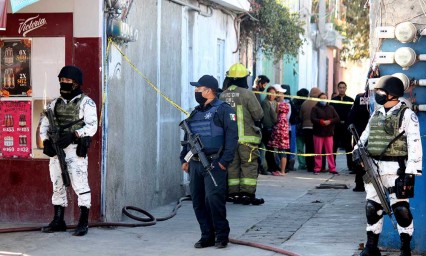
[
  {"x": 402, "y": 213},
  {"x": 374, "y": 212}
]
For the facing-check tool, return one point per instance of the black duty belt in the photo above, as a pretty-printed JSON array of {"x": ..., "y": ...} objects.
[
  {"x": 209, "y": 157},
  {"x": 388, "y": 158}
]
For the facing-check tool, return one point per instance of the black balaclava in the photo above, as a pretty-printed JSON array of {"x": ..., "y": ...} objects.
[{"x": 69, "y": 90}]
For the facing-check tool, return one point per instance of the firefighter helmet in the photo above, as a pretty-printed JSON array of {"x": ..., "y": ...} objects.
[{"x": 237, "y": 71}]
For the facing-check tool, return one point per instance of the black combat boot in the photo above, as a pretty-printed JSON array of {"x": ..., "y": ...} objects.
[
  {"x": 251, "y": 199},
  {"x": 371, "y": 248},
  {"x": 58, "y": 223},
  {"x": 405, "y": 244},
  {"x": 83, "y": 222}
]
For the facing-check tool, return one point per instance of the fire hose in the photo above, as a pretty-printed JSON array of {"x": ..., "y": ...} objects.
[{"x": 149, "y": 221}]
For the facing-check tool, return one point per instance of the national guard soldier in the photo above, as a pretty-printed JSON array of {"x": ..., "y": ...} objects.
[
  {"x": 393, "y": 141},
  {"x": 75, "y": 115}
]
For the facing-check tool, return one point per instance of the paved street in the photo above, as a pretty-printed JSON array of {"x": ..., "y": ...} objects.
[{"x": 297, "y": 217}]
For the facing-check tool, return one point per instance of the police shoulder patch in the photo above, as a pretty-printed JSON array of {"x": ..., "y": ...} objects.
[
  {"x": 414, "y": 118},
  {"x": 233, "y": 117}
]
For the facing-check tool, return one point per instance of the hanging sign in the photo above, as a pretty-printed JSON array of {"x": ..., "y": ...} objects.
[
  {"x": 15, "y": 67},
  {"x": 15, "y": 133},
  {"x": 19, "y": 4}
]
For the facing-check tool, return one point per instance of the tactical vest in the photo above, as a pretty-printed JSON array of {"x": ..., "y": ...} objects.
[
  {"x": 383, "y": 130},
  {"x": 211, "y": 135},
  {"x": 66, "y": 114}
]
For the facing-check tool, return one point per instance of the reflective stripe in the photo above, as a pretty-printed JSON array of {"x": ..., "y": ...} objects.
[
  {"x": 233, "y": 182},
  {"x": 240, "y": 123},
  {"x": 248, "y": 181},
  {"x": 232, "y": 87}
]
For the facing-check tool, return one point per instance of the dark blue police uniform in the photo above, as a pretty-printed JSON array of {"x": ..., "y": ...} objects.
[{"x": 217, "y": 127}]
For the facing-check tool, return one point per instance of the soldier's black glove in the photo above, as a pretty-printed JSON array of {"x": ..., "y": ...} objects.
[
  {"x": 356, "y": 157},
  {"x": 83, "y": 146},
  {"x": 65, "y": 140},
  {"x": 400, "y": 172},
  {"x": 48, "y": 149}
]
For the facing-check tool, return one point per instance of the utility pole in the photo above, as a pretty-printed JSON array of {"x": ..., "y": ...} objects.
[{"x": 322, "y": 51}]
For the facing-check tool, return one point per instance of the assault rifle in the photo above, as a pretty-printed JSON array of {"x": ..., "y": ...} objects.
[
  {"x": 372, "y": 176},
  {"x": 196, "y": 148},
  {"x": 54, "y": 133}
]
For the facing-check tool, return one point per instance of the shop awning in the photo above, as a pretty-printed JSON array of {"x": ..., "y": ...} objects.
[{"x": 19, "y": 4}]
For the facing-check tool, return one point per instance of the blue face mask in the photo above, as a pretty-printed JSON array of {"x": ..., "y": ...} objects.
[{"x": 323, "y": 103}]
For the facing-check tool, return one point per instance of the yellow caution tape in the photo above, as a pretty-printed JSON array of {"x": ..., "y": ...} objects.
[
  {"x": 305, "y": 98},
  {"x": 290, "y": 153},
  {"x": 110, "y": 42}
]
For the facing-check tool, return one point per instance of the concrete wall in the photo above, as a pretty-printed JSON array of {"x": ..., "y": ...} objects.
[
  {"x": 143, "y": 137},
  {"x": 354, "y": 74}
]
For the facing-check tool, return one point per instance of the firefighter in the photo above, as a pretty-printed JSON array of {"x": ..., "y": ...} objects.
[
  {"x": 392, "y": 137},
  {"x": 76, "y": 114},
  {"x": 242, "y": 172}
]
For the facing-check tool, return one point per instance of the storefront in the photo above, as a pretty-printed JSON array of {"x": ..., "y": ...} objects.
[{"x": 34, "y": 47}]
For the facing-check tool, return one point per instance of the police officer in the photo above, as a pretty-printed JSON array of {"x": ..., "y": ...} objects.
[
  {"x": 242, "y": 173},
  {"x": 215, "y": 122},
  {"x": 76, "y": 114},
  {"x": 394, "y": 143}
]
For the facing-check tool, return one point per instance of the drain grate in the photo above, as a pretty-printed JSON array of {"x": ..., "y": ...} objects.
[{"x": 332, "y": 186}]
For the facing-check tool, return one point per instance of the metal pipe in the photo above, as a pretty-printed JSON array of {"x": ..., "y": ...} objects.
[{"x": 194, "y": 8}]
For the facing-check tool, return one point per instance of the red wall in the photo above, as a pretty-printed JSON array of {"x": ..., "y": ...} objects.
[{"x": 25, "y": 186}]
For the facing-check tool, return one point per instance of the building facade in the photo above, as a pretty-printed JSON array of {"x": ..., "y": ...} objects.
[{"x": 139, "y": 81}]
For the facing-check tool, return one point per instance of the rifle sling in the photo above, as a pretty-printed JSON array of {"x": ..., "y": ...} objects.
[{"x": 63, "y": 127}]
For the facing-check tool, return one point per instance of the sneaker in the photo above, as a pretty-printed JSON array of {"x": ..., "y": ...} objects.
[
  {"x": 277, "y": 173},
  {"x": 203, "y": 243},
  {"x": 334, "y": 172},
  {"x": 221, "y": 244},
  {"x": 316, "y": 172}
]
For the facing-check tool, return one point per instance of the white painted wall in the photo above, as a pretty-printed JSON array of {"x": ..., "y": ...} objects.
[
  {"x": 308, "y": 68},
  {"x": 219, "y": 26},
  {"x": 88, "y": 14},
  {"x": 88, "y": 18}
]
